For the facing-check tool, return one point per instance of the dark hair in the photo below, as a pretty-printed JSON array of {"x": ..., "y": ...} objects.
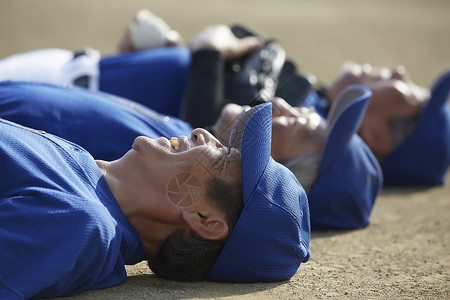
[
  {"x": 401, "y": 127},
  {"x": 185, "y": 256},
  {"x": 305, "y": 167}
]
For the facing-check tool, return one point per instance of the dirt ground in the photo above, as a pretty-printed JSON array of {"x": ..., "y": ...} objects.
[{"x": 405, "y": 252}]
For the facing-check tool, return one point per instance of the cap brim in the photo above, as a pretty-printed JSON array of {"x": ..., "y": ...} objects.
[
  {"x": 349, "y": 177},
  {"x": 343, "y": 121},
  {"x": 252, "y": 135},
  {"x": 438, "y": 97}
]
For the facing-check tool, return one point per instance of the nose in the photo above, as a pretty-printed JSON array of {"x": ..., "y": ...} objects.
[
  {"x": 399, "y": 73},
  {"x": 366, "y": 68},
  {"x": 281, "y": 108},
  {"x": 201, "y": 136}
]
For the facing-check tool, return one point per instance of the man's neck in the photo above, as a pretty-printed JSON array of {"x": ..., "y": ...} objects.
[
  {"x": 130, "y": 188},
  {"x": 146, "y": 209}
]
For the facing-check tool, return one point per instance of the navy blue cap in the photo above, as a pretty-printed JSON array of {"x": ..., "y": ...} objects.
[
  {"x": 423, "y": 159},
  {"x": 349, "y": 177},
  {"x": 271, "y": 237}
]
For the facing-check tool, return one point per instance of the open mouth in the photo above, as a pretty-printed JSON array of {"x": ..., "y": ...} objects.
[{"x": 175, "y": 143}]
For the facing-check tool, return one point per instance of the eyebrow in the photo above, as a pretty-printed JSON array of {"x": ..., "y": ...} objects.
[
  {"x": 228, "y": 150},
  {"x": 236, "y": 153}
]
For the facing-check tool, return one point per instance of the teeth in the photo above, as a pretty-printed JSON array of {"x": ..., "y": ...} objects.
[
  {"x": 175, "y": 143},
  {"x": 302, "y": 120}
]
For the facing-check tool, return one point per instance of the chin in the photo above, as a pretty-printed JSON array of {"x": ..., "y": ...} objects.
[
  {"x": 143, "y": 142},
  {"x": 137, "y": 143}
]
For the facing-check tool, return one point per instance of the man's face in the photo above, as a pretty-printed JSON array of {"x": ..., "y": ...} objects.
[
  {"x": 173, "y": 179},
  {"x": 201, "y": 154},
  {"x": 294, "y": 130},
  {"x": 393, "y": 95}
]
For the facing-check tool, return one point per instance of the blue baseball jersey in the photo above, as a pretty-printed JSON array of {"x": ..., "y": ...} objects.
[
  {"x": 61, "y": 229},
  {"x": 103, "y": 124}
]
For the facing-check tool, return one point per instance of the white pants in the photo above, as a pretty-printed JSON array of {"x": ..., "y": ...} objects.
[{"x": 56, "y": 66}]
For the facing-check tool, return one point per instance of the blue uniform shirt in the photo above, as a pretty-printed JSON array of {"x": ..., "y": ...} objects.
[
  {"x": 61, "y": 229},
  {"x": 103, "y": 124}
]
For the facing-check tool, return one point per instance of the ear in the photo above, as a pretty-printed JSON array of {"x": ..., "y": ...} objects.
[
  {"x": 380, "y": 144},
  {"x": 209, "y": 227}
]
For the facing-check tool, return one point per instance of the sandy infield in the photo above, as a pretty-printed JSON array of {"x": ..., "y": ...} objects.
[{"x": 405, "y": 252}]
